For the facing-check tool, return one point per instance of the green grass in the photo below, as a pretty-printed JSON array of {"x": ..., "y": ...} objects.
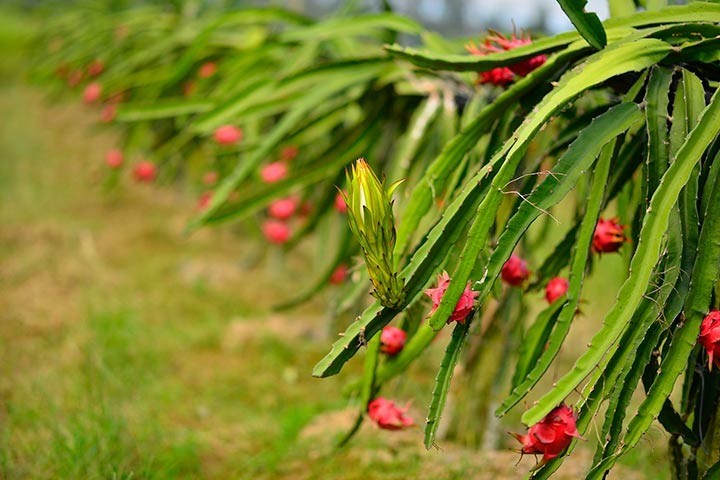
[
  {"x": 84, "y": 412},
  {"x": 130, "y": 351}
]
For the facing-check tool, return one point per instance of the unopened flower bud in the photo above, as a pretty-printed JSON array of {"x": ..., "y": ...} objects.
[{"x": 372, "y": 222}]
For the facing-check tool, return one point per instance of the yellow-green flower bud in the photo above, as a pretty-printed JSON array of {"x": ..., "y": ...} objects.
[{"x": 372, "y": 222}]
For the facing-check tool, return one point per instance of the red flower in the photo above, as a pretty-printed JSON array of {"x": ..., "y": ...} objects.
[
  {"x": 273, "y": 172},
  {"x": 95, "y": 68},
  {"x": 145, "y": 171},
  {"x": 392, "y": 340},
  {"x": 207, "y": 70},
  {"x": 556, "y": 288},
  {"x": 339, "y": 274},
  {"x": 276, "y": 232},
  {"x": 340, "y": 204},
  {"x": 228, "y": 135},
  {"x": 108, "y": 113},
  {"x": 710, "y": 337},
  {"x": 288, "y": 153},
  {"x": 463, "y": 307},
  {"x": 515, "y": 271},
  {"x": 497, "y": 76},
  {"x": 284, "y": 208},
  {"x": 551, "y": 435},
  {"x": 92, "y": 93},
  {"x": 114, "y": 158},
  {"x": 204, "y": 200},
  {"x": 388, "y": 416},
  {"x": 526, "y": 66},
  {"x": 210, "y": 178},
  {"x": 497, "y": 42},
  {"x": 608, "y": 236}
]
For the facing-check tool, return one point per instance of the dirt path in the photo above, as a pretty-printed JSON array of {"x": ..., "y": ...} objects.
[{"x": 129, "y": 350}]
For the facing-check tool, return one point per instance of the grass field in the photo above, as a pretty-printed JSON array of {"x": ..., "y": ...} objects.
[{"x": 128, "y": 350}]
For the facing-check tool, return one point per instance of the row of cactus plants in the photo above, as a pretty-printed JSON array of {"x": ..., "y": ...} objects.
[{"x": 268, "y": 109}]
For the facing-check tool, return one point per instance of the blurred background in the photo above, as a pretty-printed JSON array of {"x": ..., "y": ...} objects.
[
  {"x": 467, "y": 17},
  {"x": 451, "y": 17}
]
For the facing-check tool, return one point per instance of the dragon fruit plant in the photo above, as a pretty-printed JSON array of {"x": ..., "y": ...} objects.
[
  {"x": 648, "y": 145},
  {"x": 233, "y": 93},
  {"x": 618, "y": 119}
]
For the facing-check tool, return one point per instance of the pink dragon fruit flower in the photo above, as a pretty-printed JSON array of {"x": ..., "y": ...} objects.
[
  {"x": 392, "y": 340},
  {"x": 145, "y": 171},
  {"x": 710, "y": 337},
  {"x": 464, "y": 305},
  {"x": 608, "y": 236},
  {"x": 551, "y": 435},
  {"x": 204, "y": 200},
  {"x": 515, "y": 271},
  {"x": 276, "y": 231},
  {"x": 389, "y": 416},
  {"x": 114, "y": 158},
  {"x": 496, "y": 42},
  {"x": 274, "y": 172},
  {"x": 92, "y": 93},
  {"x": 207, "y": 70},
  {"x": 339, "y": 275},
  {"x": 556, "y": 288},
  {"x": 228, "y": 135},
  {"x": 283, "y": 208},
  {"x": 498, "y": 76},
  {"x": 340, "y": 204}
]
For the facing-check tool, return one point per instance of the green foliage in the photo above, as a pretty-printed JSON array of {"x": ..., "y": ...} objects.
[
  {"x": 587, "y": 23},
  {"x": 442, "y": 382},
  {"x": 611, "y": 117}
]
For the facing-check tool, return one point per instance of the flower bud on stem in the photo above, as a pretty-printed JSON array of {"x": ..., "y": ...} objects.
[{"x": 372, "y": 222}]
